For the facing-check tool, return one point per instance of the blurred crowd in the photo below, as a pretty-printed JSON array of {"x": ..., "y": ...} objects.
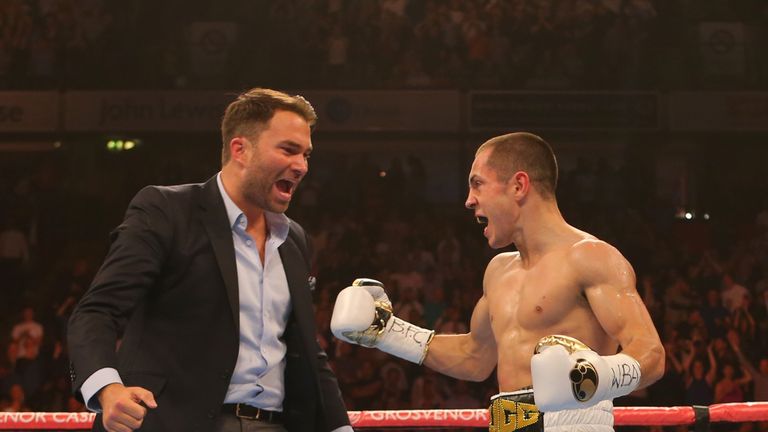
[
  {"x": 514, "y": 44},
  {"x": 705, "y": 283}
]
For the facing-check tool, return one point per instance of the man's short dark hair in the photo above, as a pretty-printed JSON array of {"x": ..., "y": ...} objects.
[
  {"x": 252, "y": 110},
  {"x": 523, "y": 151}
]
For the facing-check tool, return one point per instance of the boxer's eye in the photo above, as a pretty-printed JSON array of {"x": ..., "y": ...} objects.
[{"x": 482, "y": 220}]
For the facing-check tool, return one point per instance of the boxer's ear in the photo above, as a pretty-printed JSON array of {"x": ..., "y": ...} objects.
[{"x": 519, "y": 184}]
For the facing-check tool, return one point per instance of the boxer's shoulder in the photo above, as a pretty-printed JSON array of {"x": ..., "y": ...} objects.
[
  {"x": 595, "y": 260},
  {"x": 499, "y": 268},
  {"x": 591, "y": 245},
  {"x": 504, "y": 261}
]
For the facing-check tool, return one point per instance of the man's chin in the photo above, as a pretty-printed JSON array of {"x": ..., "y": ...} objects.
[
  {"x": 279, "y": 207},
  {"x": 494, "y": 244}
]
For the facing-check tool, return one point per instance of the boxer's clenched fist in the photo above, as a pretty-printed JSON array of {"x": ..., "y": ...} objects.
[
  {"x": 122, "y": 406},
  {"x": 568, "y": 375},
  {"x": 363, "y": 315}
]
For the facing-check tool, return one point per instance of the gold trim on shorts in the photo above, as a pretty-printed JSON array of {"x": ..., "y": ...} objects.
[{"x": 507, "y": 415}]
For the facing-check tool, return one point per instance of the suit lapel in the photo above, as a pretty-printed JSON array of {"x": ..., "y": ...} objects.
[{"x": 216, "y": 222}]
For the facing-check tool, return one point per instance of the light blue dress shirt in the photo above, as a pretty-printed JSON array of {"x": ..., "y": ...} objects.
[
  {"x": 258, "y": 376},
  {"x": 265, "y": 304}
]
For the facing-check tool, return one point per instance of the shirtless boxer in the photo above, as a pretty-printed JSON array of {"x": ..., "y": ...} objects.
[{"x": 562, "y": 281}]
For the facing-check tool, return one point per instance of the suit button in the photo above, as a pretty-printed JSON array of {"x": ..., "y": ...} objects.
[{"x": 211, "y": 414}]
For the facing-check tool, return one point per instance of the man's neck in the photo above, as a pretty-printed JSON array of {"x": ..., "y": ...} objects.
[
  {"x": 254, "y": 214},
  {"x": 257, "y": 221},
  {"x": 542, "y": 229}
]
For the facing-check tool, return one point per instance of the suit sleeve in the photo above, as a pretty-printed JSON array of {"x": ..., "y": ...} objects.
[
  {"x": 138, "y": 250},
  {"x": 335, "y": 410}
]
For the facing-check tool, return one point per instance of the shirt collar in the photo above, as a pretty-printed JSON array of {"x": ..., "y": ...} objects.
[{"x": 276, "y": 222}]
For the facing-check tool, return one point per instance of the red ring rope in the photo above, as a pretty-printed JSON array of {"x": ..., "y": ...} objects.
[{"x": 624, "y": 416}]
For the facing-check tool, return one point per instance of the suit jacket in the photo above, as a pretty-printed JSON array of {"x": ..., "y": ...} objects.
[{"x": 168, "y": 289}]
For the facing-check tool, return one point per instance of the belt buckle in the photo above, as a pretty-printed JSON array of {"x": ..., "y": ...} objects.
[
  {"x": 508, "y": 416},
  {"x": 258, "y": 415}
]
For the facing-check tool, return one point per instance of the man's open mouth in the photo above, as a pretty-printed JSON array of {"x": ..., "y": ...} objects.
[{"x": 285, "y": 186}]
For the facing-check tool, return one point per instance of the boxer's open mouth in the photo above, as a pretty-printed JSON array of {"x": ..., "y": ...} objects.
[{"x": 482, "y": 220}]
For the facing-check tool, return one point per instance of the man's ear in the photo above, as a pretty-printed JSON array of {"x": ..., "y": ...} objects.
[
  {"x": 520, "y": 184},
  {"x": 237, "y": 148}
]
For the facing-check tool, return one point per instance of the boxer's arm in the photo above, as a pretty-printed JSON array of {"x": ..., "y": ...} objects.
[
  {"x": 609, "y": 282},
  {"x": 470, "y": 356}
]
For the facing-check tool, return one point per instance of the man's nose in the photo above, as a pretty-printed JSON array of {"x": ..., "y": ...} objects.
[
  {"x": 471, "y": 202},
  {"x": 300, "y": 165}
]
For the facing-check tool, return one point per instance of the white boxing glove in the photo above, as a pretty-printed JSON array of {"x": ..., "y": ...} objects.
[
  {"x": 363, "y": 315},
  {"x": 568, "y": 375}
]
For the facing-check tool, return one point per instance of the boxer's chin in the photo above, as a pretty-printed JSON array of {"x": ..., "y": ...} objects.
[
  {"x": 489, "y": 237},
  {"x": 494, "y": 242}
]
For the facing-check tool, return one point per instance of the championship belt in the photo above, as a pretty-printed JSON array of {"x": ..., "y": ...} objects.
[{"x": 515, "y": 412}]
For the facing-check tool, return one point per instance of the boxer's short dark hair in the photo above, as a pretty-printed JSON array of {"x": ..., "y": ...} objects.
[{"x": 523, "y": 151}]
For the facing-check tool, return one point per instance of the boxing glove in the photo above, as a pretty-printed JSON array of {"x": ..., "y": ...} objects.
[
  {"x": 363, "y": 315},
  {"x": 568, "y": 375}
]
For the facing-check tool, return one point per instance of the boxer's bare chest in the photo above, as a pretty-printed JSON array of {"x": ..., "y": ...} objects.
[
  {"x": 526, "y": 304},
  {"x": 533, "y": 299}
]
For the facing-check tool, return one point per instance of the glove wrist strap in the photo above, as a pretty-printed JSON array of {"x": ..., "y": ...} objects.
[
  {"x": 405, "y": 340},
  {"x": 623, "y": 375}
]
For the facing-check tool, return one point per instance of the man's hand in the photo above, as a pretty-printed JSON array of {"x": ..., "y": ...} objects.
[
  {"x": 567, "y": 374},
  {"x": 122, "y": 406},
  {"x": 363, "y": 315}
]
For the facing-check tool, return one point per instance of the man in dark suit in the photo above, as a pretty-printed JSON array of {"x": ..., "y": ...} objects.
[{"x": 206, "y": 291}]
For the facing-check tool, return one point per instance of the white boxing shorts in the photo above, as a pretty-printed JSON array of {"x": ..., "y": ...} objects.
[{"x": 598, "y": 418}]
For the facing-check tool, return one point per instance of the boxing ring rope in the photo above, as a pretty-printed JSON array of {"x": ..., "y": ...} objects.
[{"x": 623, "y": 416}]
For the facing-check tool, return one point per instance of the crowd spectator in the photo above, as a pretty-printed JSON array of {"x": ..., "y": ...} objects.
[
  {"x": 700, "y": 377},
  {"x": 733, "y": 294},
  {"x": 27, "y": 334},
  {"x": 16, "y": 401}
]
